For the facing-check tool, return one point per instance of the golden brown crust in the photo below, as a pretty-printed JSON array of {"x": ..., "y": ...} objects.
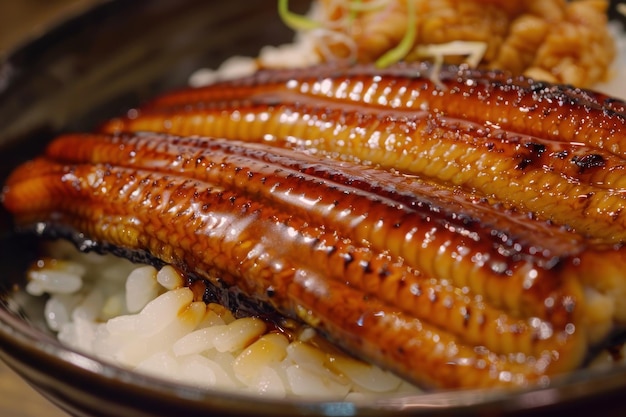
[
  {"x": 251, "y": 228},
  {"x": 420, "y": 225},
  {"x": 482, "y": 131}
]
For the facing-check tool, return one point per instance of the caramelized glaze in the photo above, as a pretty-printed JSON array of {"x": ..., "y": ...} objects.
[{"x": 449, "y": 232}]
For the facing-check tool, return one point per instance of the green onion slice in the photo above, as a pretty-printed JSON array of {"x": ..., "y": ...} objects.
[{"x": 293, "y": 20}]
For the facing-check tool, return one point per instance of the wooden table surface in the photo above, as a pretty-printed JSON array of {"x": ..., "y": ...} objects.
[
  {"x": 21, "y": 20},
  {"x": 18, "y": 399}
]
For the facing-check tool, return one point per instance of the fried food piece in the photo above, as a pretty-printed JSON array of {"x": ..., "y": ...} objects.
[{"x": 554, "y": 40}]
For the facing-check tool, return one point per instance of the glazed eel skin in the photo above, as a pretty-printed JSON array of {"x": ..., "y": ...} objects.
[{"x": 463, "y": 230}]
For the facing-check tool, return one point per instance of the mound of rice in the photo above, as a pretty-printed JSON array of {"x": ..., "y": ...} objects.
[{"x": 146, "y": 320}]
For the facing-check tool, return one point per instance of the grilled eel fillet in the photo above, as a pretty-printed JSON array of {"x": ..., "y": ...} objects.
[{"x": 464, "y": 232}]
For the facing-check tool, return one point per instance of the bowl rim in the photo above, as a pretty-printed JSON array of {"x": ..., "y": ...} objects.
[
  {"x": 18, "y": 335},
  {"x": 21, "y": 342}
]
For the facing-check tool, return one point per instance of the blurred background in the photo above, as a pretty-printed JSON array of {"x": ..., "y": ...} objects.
[{"x": 21, "y": 20}]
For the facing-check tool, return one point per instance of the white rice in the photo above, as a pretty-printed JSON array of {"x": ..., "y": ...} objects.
[{"x": 146, "y": 320}]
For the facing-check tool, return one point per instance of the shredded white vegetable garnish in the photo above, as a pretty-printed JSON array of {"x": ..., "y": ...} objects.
[{"x": 473, "y": 50}]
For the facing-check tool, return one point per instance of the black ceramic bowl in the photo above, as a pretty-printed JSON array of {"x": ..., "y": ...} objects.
[{"x": 96, "y": 66}]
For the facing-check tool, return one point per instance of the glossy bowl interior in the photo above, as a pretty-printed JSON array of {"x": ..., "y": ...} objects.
[{"x": 101, "y": 63}]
